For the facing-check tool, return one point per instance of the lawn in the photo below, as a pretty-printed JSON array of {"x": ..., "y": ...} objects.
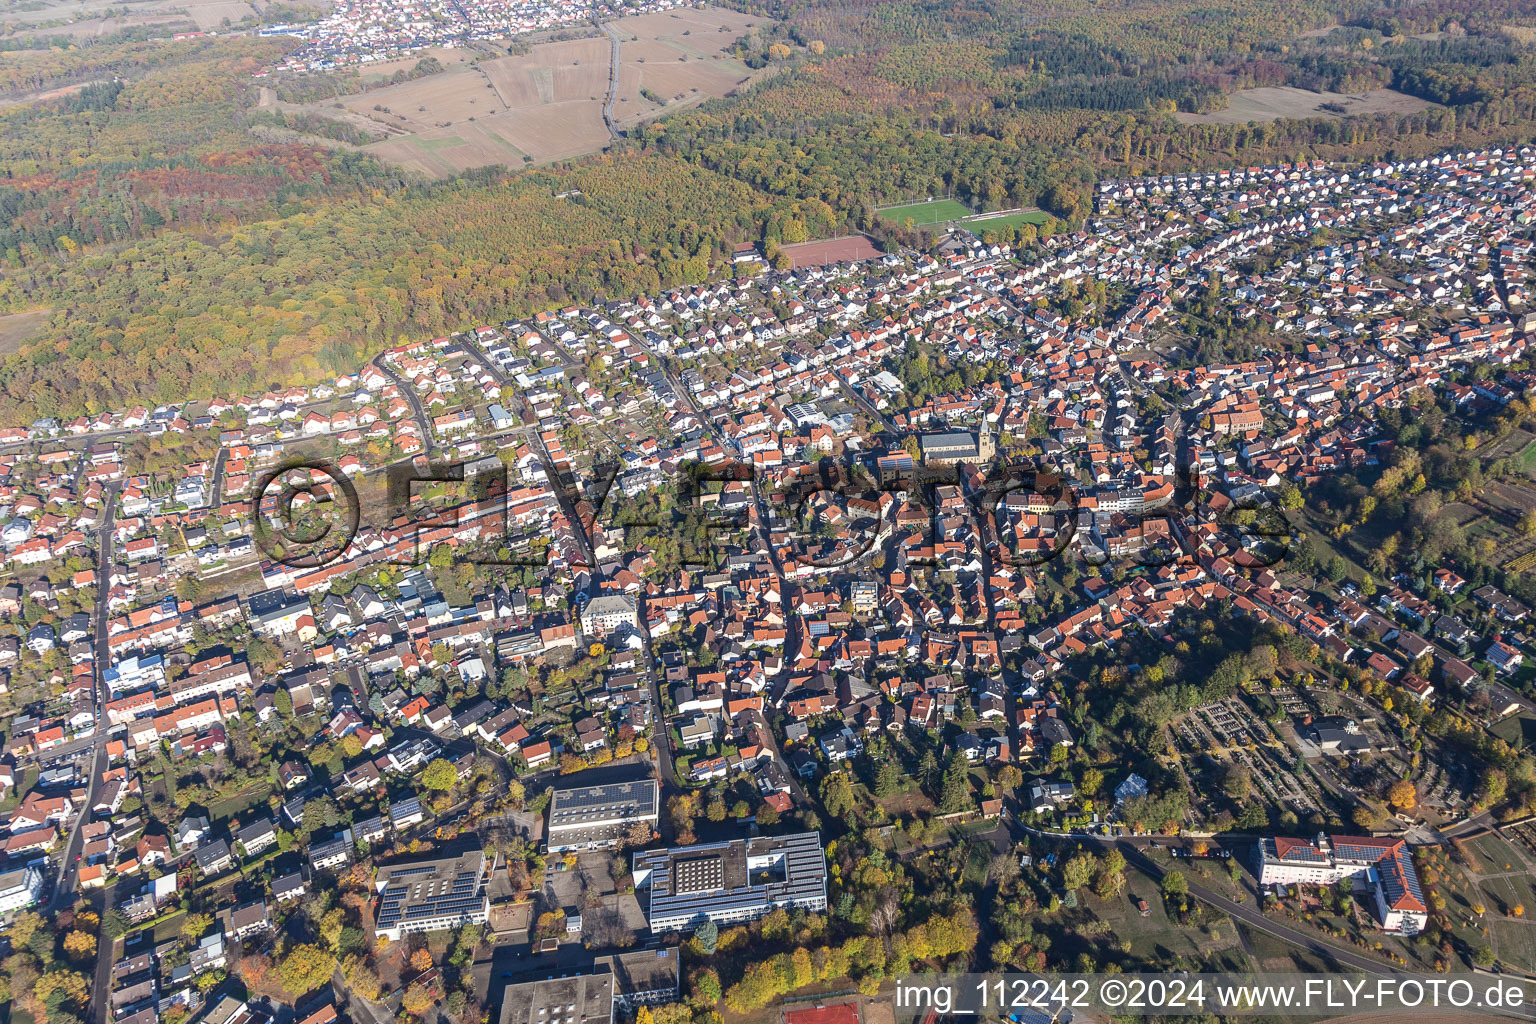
[
  {"x": 978, "y": 863},
  {"x": 1515, "y": 943},
  {"x": 1011, "y": 220},
  {"x": 1519, "y": 731},
  {"x": 1272, "y": 954},
  {"x": 1157, "y": 934},
  {"x": 1528, "y": 457},
  {"x": 223, "y": 810},
  {"x": 935, "y": 211}
]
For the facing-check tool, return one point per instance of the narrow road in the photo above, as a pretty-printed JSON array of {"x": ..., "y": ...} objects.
[
  {"x": 409, "y": 392},
  {"x": 661, "y": 742},
  {"x": 64, "y": 884},
  {"x": 106, "y": 956},
  {"x": 613, "y": 83},
  {"x": 867, "y": 406},
  {"x": 216, "y": 483}
]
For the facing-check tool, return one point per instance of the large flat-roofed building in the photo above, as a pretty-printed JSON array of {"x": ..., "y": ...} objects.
[
  {"x": 739, "y": 880},
  {"x": 20, "y": 889},
  {"x": 429, "y": 895},
  {"x": 583, "y": 999},
  {"x": 645, "y": 977},
  {"x": 1382, "y": 866},
  {"x": 595, "y": 817},
  {"x": 614, "y": 986}
]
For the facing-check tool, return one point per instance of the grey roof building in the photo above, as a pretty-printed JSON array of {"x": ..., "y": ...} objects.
[
  {"x": 594, "y": 817},
  {"x": 430, "y": 895},
  {"x": 739, "y": 880},
  {"x": 585, "y": 999}
]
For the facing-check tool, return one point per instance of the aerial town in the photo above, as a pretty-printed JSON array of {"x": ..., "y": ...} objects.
[
  {"x": 1149, "y": 595},
  {"x": 370, "y": 31}
]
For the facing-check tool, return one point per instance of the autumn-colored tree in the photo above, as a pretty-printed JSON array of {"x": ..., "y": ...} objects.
[
  {"x": 361, "y": 978},
  {"x": 421, "y": 960},
  {"x": 332, "y": 925},
  {"x": 80, "y": 946},
  {"x": 440, "y": 775},
  {"x": 706, "y": 988},
  {"x": 255, "y": 969},
  {"x": 304, "y": 968},
  {"x": 1401, "y": 795},
  {"x": 417, "y": 1000},
  {"x": 71, "y": 986},
  {"x": 1076, "y": 871}
]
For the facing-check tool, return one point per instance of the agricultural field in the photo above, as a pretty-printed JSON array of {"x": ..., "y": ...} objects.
[
  {"x": 679, "y": 58},
  {"x": 17, "y": 328},
  {"x": 547, "y": 104},
  {"x": 1514, "y": 441},
  {"x": 933, "y": 211},
  {"x": 1271, "y": 103},
  {"x": 90, "y": 18},
  {"x": 448, "y": 56}
]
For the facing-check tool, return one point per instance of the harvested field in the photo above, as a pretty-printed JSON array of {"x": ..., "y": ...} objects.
[
  {"x": 1274, "y": 102},
  {"x": 677, "y": 82},
  {"x": 552, "y": 73},
  {"x": 547, "y": 104},
  {"x": 212, "y": 15},
  {"x": 679, "y": 57},
  {"x": 555, "y": 131},
  {"x": 1516, "y": 440},
  {"x": 19, "y": 328},
  {"x": 439, "y": 153},
  {"x": 448, "y": 57},
  {"x": 89, "y": 18},
  {"x": 830, "y": 250},
  {"x": 434, "y": 102}
]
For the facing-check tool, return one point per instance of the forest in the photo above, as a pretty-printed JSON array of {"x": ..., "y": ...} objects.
[{"x": 183, "y": 252}]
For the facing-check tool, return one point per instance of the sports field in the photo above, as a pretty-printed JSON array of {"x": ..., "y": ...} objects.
[
  {"x": 1011, "y": 220},
  {"x": 831, "y": 250},
  {"x": 935, "y": 211}
]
